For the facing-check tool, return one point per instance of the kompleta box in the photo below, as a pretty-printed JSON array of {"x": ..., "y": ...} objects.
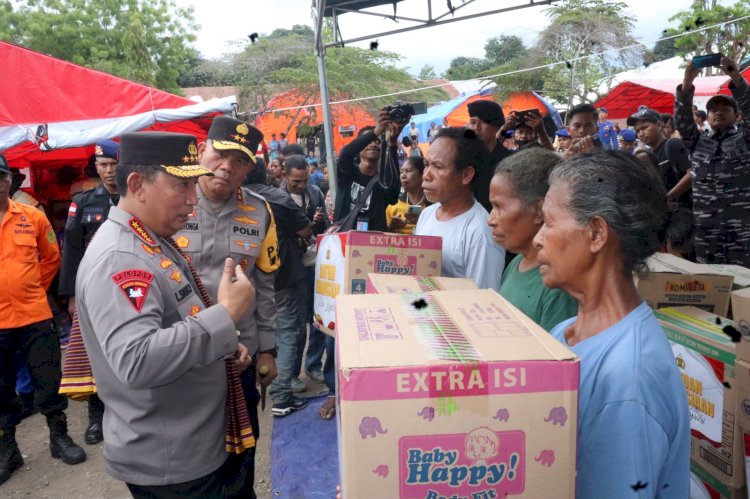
[
  {"x": 705, "y": 356},
  {"x": 460, "y": 395},
  {"x": 674, "y": 282},
  {"x": 741, "y": 316},
  {"x": 703, "y": 485},
  {"x": 404, "y": 284},
  {"x": 344, "y": 260}
]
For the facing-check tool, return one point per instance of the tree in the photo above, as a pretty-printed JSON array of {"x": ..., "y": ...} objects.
[
  {"x": 580, "y": 28},
  {"x": 730, "y": 39},
  {"x": 503, "y": 49},
  {"x": 465, "y": 68},
  {"x": 663, "y": 49},
  {"x": 284, "y": 60},
  {"x": 427, "y": 72},
  {"x": 145, "y": 41}
]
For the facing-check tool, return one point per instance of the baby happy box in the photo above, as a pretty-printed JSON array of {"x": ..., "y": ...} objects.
[
  {"x": 345, "y": 259},
  {"x": 452, "y": 394}
]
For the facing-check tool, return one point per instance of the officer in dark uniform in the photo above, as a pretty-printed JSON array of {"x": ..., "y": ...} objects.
[{"x": 87, "y": 213}]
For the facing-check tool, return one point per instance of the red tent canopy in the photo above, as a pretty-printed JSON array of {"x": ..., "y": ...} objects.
[
  {"x": 41, "y": 94},
  {"x": 624, "y": 99}
]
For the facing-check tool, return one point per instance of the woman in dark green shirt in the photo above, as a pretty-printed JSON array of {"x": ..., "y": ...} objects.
[{"x": 516, "y": 194}]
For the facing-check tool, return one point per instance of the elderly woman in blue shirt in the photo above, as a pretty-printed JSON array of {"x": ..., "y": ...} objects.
[{"x": 604, "y": 214}]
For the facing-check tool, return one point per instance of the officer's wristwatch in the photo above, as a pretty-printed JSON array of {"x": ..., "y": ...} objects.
[{"x": 271, "y": 351}]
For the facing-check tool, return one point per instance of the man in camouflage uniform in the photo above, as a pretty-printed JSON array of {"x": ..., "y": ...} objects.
[
  {"x": 720, "y": 168},
  {"x": 86, "y": 214},
  {"x": 230, "y": 221}
]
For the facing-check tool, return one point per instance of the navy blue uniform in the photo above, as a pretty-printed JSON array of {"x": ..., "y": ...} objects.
[{"x": 87, "y": 213}]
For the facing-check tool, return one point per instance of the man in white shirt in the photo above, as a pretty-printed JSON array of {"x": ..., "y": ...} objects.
[{"x": 453, "y": 161}]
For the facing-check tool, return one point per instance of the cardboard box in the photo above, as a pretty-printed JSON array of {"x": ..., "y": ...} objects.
[
  {"x": 741, "y": 274},
  {"x": 405, "y": 284},
  {"x": 706, "y": 358},
  {"x": 742, "y": 370},
  {"x": 674, "y": 282},
  {"x": 741, "y": 316},
  {"x": 703, "y": 485},
  {"x": 344, "y": 260},
  {"x": 465, "y": 397}
]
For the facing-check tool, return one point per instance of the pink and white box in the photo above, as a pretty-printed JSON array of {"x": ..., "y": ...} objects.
[
  {"x": 452, "y": 394},
  {"x": 344, "y": 261}
]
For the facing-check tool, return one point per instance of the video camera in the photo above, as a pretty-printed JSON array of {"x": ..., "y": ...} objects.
[{"x": 401, "y": 112}]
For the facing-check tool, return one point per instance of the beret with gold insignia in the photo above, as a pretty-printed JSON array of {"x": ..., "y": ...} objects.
[
  {"x": 175, "y": 153},
  {"x": 227, "y": 133},
  {"x": 107, "y": 149}
]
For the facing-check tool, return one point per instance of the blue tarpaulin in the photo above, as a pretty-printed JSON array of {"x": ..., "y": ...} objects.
[
  {"x": 438, "y": 112},
  {"x": 304, "y": 454}
]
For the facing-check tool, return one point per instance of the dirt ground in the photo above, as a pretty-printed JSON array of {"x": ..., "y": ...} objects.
[{"x": 43, "y": 477}]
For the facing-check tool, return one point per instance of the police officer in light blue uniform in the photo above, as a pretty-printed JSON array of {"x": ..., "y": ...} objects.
[
  {"x": 86, "y": 214},
  {"x": 607, "y": 131}
]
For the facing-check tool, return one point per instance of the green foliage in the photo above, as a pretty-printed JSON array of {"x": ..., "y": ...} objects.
[
  {"x": 500, "y": 53},
  {"x": 465, "y": 68},
  {"x": 503, "y": 49},
  {"x": 730, "y": 39},
  {"x": 579, "y": 28},
  {"x": 284, "y": 60},
  {"x": 145, "y": 41},
  {"x": 427, "y": 72},
  {"x": 663, "y": 49}
]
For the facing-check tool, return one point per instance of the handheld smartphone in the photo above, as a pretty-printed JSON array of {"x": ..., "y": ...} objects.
[
  {"x": 707, "y": 60},
  {"x": 415, "y": 209},
  {"x": 597, "y": 140},
  {"x": 521, "y": 115}
]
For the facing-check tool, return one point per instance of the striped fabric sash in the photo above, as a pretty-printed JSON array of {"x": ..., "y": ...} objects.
[{"x": 77, "y": 379}]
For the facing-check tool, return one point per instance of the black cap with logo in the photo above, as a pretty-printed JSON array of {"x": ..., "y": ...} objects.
[
  {"x": 175, "y": 153},
  {"x": 229, "y": 134}
]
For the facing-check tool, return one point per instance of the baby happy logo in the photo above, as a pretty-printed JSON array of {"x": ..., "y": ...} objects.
[
  {"x": 462, "y": 465},
  {"x": 395, "y": 264}
]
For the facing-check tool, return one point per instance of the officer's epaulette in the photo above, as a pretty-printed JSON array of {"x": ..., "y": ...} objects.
[{"x": 246, "y": 192}]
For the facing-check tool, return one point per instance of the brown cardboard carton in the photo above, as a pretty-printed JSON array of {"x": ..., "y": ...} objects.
[
  {"x": 672, "y": 282},
  {"x": 743, "y": 408},
  {"x": 741, "y": 274},
  {"x": 405, "y": 284},
  {"x": 463, "y": 397},
  {"x": 703, "y": 485},
  {"x": 705, "y": 356},
  {"x": 344, "y": 261},
  {"x": 741, "y": 316}
]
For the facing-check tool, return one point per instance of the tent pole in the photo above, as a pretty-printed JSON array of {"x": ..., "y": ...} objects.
[{"x": 320, "y": 54}]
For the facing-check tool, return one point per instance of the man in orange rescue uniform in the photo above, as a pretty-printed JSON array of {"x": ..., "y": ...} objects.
[{"x": 29, "y": 258}]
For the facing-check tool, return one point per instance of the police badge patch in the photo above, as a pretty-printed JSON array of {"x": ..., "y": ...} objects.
[{"x": 134, "y": 284}]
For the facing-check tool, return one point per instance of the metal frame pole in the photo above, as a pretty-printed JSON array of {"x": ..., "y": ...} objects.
[{"x": 320, "y": 54}]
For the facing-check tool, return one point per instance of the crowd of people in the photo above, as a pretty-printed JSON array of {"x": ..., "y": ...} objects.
[{"x": 188, "y": 274}]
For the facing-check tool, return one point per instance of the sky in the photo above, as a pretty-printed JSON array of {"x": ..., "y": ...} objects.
[{"x": 222, "y": 32}]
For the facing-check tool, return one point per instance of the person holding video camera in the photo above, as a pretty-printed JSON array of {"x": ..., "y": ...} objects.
[
  {"x": 720, "y": 164},
  {"x": 368, "y": 174}
]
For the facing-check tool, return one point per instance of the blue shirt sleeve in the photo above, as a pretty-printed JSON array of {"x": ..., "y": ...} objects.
[{"x": 622, "y": 454}]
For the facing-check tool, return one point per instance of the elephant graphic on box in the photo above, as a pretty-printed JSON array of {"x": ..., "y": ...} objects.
[
  {"x": 428, "y": 413},
  {"x": 502, "y": 415},
  {"x": 546, "y": 458},
  {"x": 557, "y": 415},
  {"x": 381, "y": 470},
  {"x": 370, "y": 427}
]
